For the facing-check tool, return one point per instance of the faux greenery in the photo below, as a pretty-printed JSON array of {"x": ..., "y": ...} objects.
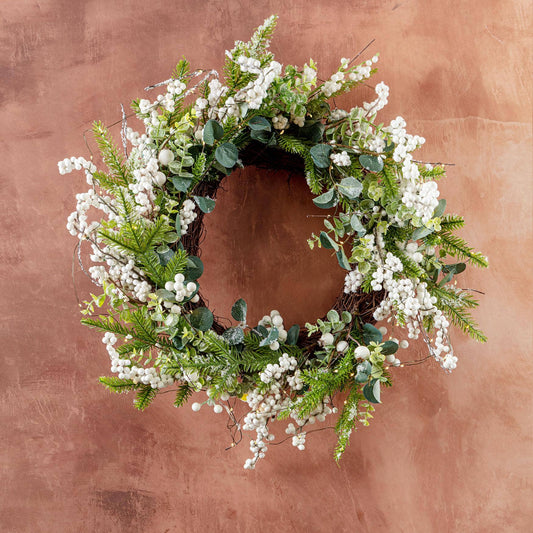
[{"x": 384, "y": 225}]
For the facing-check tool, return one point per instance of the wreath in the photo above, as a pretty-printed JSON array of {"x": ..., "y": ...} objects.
[{"x": 384, "y": 223}]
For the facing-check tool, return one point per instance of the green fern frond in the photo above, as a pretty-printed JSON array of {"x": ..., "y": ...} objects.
[
  {"x": 457, "y": 247},
  {"x": 110, "y": 154},
  {"x": 145, "y": 396},
  {"x": 452, "y": 222},
  {"x": 118, "y": 385},
  {"x": 183, "y": 393}
]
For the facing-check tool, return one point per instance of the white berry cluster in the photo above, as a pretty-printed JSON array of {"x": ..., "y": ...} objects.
[
  {"x": 274, "y": 321},
  {"x": 280, "y": 122},
  {"x": 353, "y": 281},
  {"x": 282, "y": 380},
  {"x": 67, "y": 165},
  {"x": 187, "y": 215},
  {"x": 255, "y": 91},
  {"x": 382, "y": 92},
  {"x": 181, "y": 290},
  {"x": 342, "y": 159},
  {"x": 422, "y": 197},
  {"x": 126, "y": 370}
]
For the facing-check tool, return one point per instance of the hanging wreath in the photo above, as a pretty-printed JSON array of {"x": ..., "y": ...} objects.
[{"x": 385, "y": 225}]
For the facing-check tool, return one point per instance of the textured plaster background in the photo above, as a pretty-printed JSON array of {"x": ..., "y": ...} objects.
[{"x": 444, "y": 454}]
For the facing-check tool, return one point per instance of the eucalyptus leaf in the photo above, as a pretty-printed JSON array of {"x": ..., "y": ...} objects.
[
  {"x": 238, "y": 311},
  {"x": 165, "y": 256},
  {"x": 327, "y": 242},
  {"x": 343, "y": 260},
  {"x": 389, "y": 348},
  {"x": 292, "y": 335},
  {"x": 263, "y": 136},
  {"x": 181, "y": 184},
  {"x": 446, "y": 279},
  {"x": 439, "y": 210},
  {"x": 162, "y": 249},
  {"x": 333, "y": 316},
  {"x": 259, "y": 124},
  {"x": 312, "y": 130},
  {"x": 357, "y": 226},
  {"x": 456, "y": 268},
  {"x": 350, "y": 188},
  {"x": 262, "y": 330},
  {"x": 320, "y": 154},
  {"x": 205, "y": 204},
  {"x": 227, "y": 154},
  {"x": 371, "y": 162},
  {"x": 233, "y": 336},
  {"x": 363, "y": 372},
  {"x": 166, "y": 296},
  {"x": 201, "y": 318},
  {"x": 420, "y": 233},
  {"x": 173, "y": 236},
  {"x": 346, "y": 317},
  {"x": 213, "y": 131},
  {"x": 194, "y": 268},
  {"x": 371, "y": 334},
  {"x": 272, "y": 336},
  {"x": 326, "y": 200},
  {"x": 371, "y": 391}
]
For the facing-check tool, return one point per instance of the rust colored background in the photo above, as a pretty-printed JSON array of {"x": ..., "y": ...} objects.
[{"x": 445, "y": 453}]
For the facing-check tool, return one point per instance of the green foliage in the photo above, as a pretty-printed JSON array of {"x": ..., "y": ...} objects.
[
  {"x": 119, "y": 172},
  {"x": 183, "y": 394},
  {"x": 118, "y": 385},
  {"x": 458, "y": 247},
  {"x": 145, "y": 396}
]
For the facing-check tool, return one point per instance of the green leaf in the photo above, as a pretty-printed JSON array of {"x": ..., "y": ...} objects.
[
  {"x": 371, "y": 334},
  {"x": 343, "y": 260},
  {"x": 259, "y": 124},
  {"x": 205, "y": 204},
  {"x": 272, "y": 336},
  {"x": 238, "y": 311},
  {"x": 350, "y": 188},
  {"x": 371, "y": 391},
  {"x": 439, "y": 210},
  {"x": 173, "y": 236},
  {"x": 312, "y": 130},
  {"x": 181, "y": 184},
  {"x": 363, "y": 372},
  {"x": 320, "y": 154},
  {"x": 357, "y": 226},
  {"x": 371, "y": 162},
  {"x": 333, "y": 316},
  {"x": 145, "y": 396},
  {"x": 420, "y": 233},
  {"x": 456, "y": 268},
  {"x": 292, "y": 335},
  {"x": 227, "y": 154},
  {"x": 327, "y": 242},
  {"x": 233, "y": 336},
  {"x": 194, "y": 268},
  {"x": 201, "y": 318},
  {"x": 346, "y": 317},
  {"x": 262, "y": 330},
  {"x": 446, "y": 279},
  {"x": 389, "y": 347},
  {"x": 177, "y": 225},
  {"x": 166, "y": 296},
  {"x": 326, "y": 200},
  {"x": 213, "y": 131},
  {"x": 263, "y": 136}
]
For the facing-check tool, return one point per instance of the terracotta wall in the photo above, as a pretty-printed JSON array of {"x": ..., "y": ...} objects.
[{"x": 445, "y": 453}]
